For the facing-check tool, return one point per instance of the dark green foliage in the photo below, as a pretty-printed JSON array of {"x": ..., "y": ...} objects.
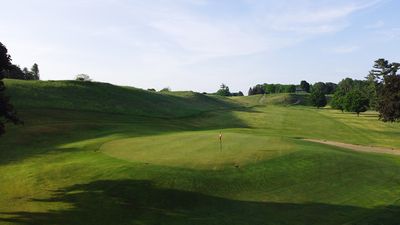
[
  {"x": 385, "y": 80},
  {"x": 305, "y": 86},
  {"x": 237, "y": 93},
  {"x": 290, "y": 88},
  {"x": 272, "y": 89},
  {"x": 321, "y": 86},
  {"x": 15, "y": 72},
  {"x": 35, "y": 72},
  {"x": 353, "y": 95},
  {"x": 318, "y": 97},
  {"x": 389, "y": 100},
  {"x": 7, "y": 112},
  {"x": 338, "y": 100},
  {"x": 257, "y": 90},
  {"x": 223, "y": 90},
  {"x": 355, "y": 101},
  {"x": 330, "y": 87}
]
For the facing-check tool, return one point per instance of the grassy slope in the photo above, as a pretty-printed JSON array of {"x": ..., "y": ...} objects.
[
  {"x": 52, "y": 171},
  {"x": 103, "y": 97}
]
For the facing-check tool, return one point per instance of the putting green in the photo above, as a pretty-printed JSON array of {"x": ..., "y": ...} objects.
[{"x": 198, "y": 149}]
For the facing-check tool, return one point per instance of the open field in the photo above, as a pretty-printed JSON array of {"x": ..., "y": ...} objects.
[{"x": 116, "y": 155}]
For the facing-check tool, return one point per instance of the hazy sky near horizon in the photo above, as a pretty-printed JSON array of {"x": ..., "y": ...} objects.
[{"x": 199, "y": 44}]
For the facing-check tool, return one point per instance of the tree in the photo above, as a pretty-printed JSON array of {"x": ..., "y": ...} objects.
[
  {"x": 290, "y": 88},
  {"x": 389, "y": 100},
  {"x": 223, "y": 90},
  {"x": 318, "y": 98},
  {"x": 250, "y": 92},
  {"x": 270, "y": 88},
  {"x": 82, "y": 77},
  {"x": 14, "y": 72},
  {"x": 355, "y": 101},
  {"x": 305, "y": 86},
  {"x": 330, "y": 87},
  {"x": 7, "y": 112},
  {"x": 387, "y": 90},
  {"x": 321, "y": 86},
  {"x": 35, "y": 72},
  {"x": 337, "y": 101},
  {"x": 166, "y": 89}
]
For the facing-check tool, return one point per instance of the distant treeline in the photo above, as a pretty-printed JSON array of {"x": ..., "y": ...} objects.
[
  {"x": 15, "y": 72},
  {"x": 224, "y": 91},
  {"x": 379, "y": 91},
  {"x": 304, "y": 86}
]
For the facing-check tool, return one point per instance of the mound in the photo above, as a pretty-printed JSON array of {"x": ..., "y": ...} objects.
[
  {"x": 275, "y": 99},
  {"x": 198, "y": 149},
  {"x": 103, "y": 97}
]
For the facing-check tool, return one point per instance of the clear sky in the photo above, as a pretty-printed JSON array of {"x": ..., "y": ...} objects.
[{"x": 199, "y": 44}]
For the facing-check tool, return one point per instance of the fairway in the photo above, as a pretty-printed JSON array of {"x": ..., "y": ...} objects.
[
  {"x": 198, "y": 149},
  {"x": 84, "y": 162}
]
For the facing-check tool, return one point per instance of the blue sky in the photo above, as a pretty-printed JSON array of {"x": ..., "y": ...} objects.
[{"x": 199, "y": 44}]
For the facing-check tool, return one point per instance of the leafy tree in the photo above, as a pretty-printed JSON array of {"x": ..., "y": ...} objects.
[
  {"x": 318, "y": 98},
  {"x": 321, "y": 86},
  {"x": 7, "y": 112},
  {"x": 166, "y": 89},
  {"x": 355, "y": 101},
  {"x": 270, "y": 88},
  {"x": 337, "y": 101},
  {"x": 35, "y": 72},
  {"x": 152, "y": 89},
  {"x": 290, "y": 88},
  {"x": 14, "y": 72},
  {"x": 223, "y": 90},
  {"x": 237, "y": 93},
  {"x": 82, "y": 77},
  {"x": 330, "y": 87},
  {"x": 305, "y": 86}
]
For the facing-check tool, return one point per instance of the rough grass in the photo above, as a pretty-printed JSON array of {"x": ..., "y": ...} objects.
[{"x": 80, "y": 165}]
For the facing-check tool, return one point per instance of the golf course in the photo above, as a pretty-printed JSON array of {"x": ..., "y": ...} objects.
[{"x": 99, "y": 154}]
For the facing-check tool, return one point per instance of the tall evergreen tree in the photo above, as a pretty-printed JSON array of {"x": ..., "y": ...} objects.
[
  {"x": 35, "y": 72},
  {"x": 388, "y": 89}
]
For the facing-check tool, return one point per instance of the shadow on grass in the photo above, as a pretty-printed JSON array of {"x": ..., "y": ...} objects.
[
  {"x": 119, "y": 202},
  {"x": 47, "y": 129}
]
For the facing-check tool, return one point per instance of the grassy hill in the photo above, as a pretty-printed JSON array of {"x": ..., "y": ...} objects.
[
  {"x": 83, "y": 160},
  {"x": 286, "y": 99},
  {"x": 103, "y": 97}
]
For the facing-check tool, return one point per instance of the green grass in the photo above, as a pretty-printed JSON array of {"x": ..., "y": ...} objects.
[{"x": 156, "y": 160}]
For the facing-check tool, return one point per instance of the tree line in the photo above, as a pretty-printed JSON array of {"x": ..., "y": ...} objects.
[
  {"x": 15, "y": 72},
  {"x": 224, "y": 91},
  {"x": 304, "y": 86},
  {"x": 379, "y": 91}
]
